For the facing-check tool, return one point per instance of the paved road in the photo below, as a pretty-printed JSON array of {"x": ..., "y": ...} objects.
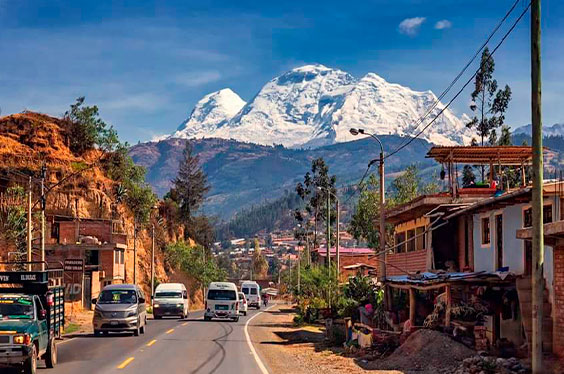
[{"x": 168, "y": 346}]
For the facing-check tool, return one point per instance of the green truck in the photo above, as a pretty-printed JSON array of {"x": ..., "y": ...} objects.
[{"x": 31, "y": 317}]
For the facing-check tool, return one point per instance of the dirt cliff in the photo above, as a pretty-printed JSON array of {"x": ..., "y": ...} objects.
[{"x": 78, "y": 186}]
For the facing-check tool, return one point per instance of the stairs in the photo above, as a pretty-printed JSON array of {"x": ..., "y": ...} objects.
[{"x": 524, "y": 290}]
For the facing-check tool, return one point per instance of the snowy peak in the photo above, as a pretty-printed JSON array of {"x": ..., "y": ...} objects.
[
  {"x": 314, "y": 105},
  {"x": 212, "y": 111}
]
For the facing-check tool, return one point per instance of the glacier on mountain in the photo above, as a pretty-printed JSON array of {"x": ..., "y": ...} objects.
[{"x": 313, "y": 105}]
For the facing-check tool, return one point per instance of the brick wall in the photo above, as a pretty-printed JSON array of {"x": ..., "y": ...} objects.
[
  {"x": 408, "y": 261},
  {"x": 558, "y": 307},
  {"x": 99, "y": 229}
]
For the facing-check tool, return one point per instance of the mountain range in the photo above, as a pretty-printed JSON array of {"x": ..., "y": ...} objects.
[
  {"x": 313, "y": 105},
  {"x": 555, "y": 130}
]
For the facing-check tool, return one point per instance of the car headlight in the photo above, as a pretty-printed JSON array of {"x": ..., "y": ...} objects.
[
  {"x": 131, "y": 313},
  {"x": 98, "y": 314},
  {"x": 180, "y": 305},
  {"x": 22, "y": 339},
  {"x": 156, "y": 306}
]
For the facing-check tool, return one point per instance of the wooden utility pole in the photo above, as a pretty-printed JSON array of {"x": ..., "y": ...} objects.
[
  {"x": 328, "y": 228},
  {"x": 382, "y": 262},
  {"x": 337, "y": 255},
  {"x": 537, "y": 278},
  {"x": 43, "y": 206},
  {"x": 134, "y": 250},
  {"x": 29, "y": 225},
  {"x": 153, "y": 264}
]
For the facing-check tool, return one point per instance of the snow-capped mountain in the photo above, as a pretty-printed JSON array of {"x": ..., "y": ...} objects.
[
  {"x": 314, "y": 105},
  {"x": 211, "y": 112},
  {"x": 555, "y": 130}
]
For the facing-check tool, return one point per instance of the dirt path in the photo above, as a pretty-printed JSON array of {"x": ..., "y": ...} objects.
[{"x": 289, "y": 349}]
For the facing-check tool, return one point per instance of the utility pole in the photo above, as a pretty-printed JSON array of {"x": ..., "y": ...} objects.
[
  {"x": 153, "y": 265},
  {"x": 134, "y": 250},
  {"x": 337, "y": 241},
  {"x": 382, "y": 262},
  {"x": 328, "y": 229},
  {"x": 29, "y": 225},
  {"x": 537, "y": 278},
  {"x": 299, "y": 269},
  {"x": 43, "y": 206}
]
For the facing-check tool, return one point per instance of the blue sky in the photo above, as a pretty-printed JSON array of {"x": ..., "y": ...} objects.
[{"x": 146, "y": 63}]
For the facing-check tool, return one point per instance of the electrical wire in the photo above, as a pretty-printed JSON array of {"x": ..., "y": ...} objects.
[
  {"x": 411, "y": 139},
  {"x": 455, "y": 80}
]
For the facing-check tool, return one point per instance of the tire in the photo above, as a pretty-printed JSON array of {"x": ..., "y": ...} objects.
[
  {"x": 97, "y": 332},
  {"x": 30, "y": 365},
  {"x": 207, "y": 318},
  {"x": 245, "y": 314},
  {"x": 137, "y": 330},
  {"x": 142, "y": 329},
  {"x": 157, "y": 317},
  {"x": 236, "y": 319},
  {"x": 51, "y": 355}
]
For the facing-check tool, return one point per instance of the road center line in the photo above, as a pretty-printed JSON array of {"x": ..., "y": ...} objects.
[
  {"x": 126, "y": 362},
  {"x": 184, "y": 324},
  {"x": 253, "y": 352},
  {"x": 170, "y": 331},
  {"x": 151, "y": 342}
]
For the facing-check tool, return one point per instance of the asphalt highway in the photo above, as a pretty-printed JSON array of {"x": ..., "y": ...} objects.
[{"x": 168, "y": 346}]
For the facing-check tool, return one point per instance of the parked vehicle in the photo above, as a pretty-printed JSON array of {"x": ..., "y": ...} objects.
[
  {"x": 171, "y": 299},
  {"x": 32, "y": 315},
  {"x": 242, "y": 304},
  {"x": 222, "y": 301},
  {"x": 120, "y": 307},
  {"x": 251, "y": 290}
]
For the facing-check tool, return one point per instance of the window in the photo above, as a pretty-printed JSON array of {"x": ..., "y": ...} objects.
[
  {"x": 119, "y": 257},
  {"x": 253, "y": 291},
  {"x": 411, "y": 240},
  {"x": 400, "y": 242},
  {"x": 246, "y": 290},
  {"x": 486, "y": 230},
  {"x": 55, "y": 231},
  {"x": 546, "y": 215},
  {"x": 420, "y": 238}
]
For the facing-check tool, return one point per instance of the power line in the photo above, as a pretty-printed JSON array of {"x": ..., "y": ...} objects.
[
  {"x": 455, "y": 80},
  {"x": 411, "y": 139}
]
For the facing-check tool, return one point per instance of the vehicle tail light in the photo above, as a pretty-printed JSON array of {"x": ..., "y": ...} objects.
[
  {"x": 236, "y": 306},
  {"x": 50, "y": 299}
]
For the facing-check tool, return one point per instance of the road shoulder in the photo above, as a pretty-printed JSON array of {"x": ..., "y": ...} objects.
[{"x": 286, "y": 348}]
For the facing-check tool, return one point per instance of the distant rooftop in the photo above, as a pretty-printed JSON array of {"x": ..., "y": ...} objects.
[{"x": 345, "y": 251}]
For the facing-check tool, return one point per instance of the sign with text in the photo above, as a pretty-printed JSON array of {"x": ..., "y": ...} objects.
[{"x": 74, "y": 265}]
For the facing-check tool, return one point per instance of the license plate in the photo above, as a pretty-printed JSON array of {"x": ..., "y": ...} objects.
[
  {"x": 113, "y": 323},
  {"x": 221, "y": 307},
  {"x": 167, "y": 313}
]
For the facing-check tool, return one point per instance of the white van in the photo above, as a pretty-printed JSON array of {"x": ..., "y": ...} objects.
[
  {"x": 222, "y": 301},
  {"x": 171, "y": 299},
  {"x": 251, "y": 290}
]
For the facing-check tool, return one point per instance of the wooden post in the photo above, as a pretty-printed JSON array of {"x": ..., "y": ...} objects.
[
  {"x": 412, "y": 307},
  {"x": 448, "y": 305},
  {"x": 537, "y": 198},
  {"x": 29, "y": 226}
]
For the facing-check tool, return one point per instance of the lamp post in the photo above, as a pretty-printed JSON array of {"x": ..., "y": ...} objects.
[
  {"x": 382, "y": 262},
  {"x": 337, "y": 254}
]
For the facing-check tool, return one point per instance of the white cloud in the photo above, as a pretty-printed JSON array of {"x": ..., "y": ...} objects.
[
  {"x": 410, "y": 26},
  {"x": 198, "y": 78},
  {"x": 443, "y": 24}
]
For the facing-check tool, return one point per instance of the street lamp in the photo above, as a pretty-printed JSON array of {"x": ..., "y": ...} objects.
[
  {"x": 382, "y": 263},
  {"x": 338, "y": 258}
]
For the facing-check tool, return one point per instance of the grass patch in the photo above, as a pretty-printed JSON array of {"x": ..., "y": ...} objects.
[{"x": 72, "y": 327}]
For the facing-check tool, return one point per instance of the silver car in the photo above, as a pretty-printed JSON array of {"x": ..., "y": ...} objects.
[{"x": 120, "y": 307}]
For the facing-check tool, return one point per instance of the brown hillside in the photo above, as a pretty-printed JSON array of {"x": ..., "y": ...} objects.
[{"x": 27, "y": 140}]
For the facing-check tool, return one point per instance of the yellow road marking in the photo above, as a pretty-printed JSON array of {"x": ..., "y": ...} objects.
[
  {"x": 151, "y": 342},
  {"x": 170, "y": 331},
  {"x": 184, "y": 324},
  {"x": 126, "y": 362}
]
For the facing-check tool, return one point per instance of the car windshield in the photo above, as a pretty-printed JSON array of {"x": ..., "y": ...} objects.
[
  {"x": 16, "y": 308},
  {"x": 222, "y": 295},
  {"x": 117, "y": 297},
  {"x": 245, "y": 290},
  {"x": 168, "y": 295}
]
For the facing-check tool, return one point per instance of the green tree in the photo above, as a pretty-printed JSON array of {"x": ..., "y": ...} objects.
[
  {"x": 13, "y": 224},
  {"x": 87, "y": 129},
  {"x": 488, "y": 103},
  {"x": 363, "y": 222},
  {"x": 193, "y": 261},
  {"x": 313, "y": 191},
  {"x": 140, "y": 199},
  {"x": 190, "y": 185},
  {"x": 468, "y": 177},
  {"x": 407, "y": 186}
]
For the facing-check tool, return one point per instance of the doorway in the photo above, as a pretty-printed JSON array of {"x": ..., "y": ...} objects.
[{"x": 499, "y": 241}]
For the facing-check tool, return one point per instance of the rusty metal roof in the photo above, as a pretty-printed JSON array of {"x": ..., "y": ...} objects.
[{"x": 504, "y": 155}]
